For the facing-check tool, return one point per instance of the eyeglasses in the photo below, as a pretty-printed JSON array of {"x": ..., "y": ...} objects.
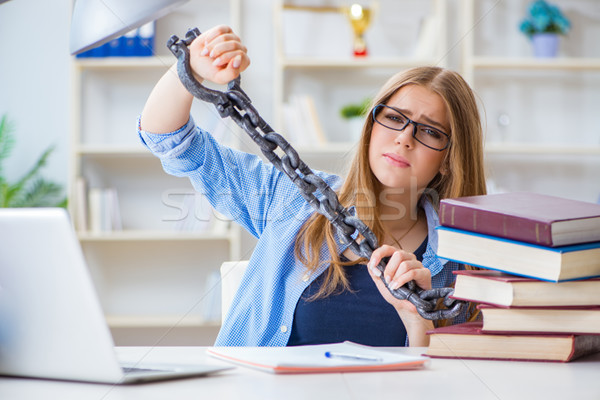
[{"x": 425, "y": 134}]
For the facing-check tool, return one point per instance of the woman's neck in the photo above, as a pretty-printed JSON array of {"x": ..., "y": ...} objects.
[
  {"x": 398, "y": 211},
  {"x": 404, "y": 221}
]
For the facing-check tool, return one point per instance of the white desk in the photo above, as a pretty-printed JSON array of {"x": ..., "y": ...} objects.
[{"x": 441, "y": 379}]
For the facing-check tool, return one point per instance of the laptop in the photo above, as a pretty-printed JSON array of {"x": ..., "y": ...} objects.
[{"x": 51, "y": 322}]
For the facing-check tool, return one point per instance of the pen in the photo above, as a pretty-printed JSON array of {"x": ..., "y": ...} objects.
[{"x": 330, "y": 354}]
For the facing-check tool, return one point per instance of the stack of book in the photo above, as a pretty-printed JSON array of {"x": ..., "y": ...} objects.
[{"x": 539, "y": 290}]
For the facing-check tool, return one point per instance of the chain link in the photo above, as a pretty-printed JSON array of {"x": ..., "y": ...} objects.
[{"x": 235, "y": 104}]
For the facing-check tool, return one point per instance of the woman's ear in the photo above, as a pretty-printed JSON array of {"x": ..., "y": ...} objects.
[
  {"x": 445, "y": 166},
  {"x": 443, "y": 169}
]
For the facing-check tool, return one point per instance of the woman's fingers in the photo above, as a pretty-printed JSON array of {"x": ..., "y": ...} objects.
[
  {"x": 218, "y": 55},
  {"x": 411, "y": 270},
  {"x": 396, "y": 258},
  {"x": 211, "y": 34},
  {"x": 224, "y": 58},
  {"x": 401, "y": 267},
  {"x": 221, "y": 45}
]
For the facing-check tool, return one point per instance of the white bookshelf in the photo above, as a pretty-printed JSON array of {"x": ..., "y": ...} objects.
[
  {"x": 149, "y": 274},
  {"x": 332, "y": 76},
  {"x": 159, "y": 236},
  {"x": 533, "y": 149},
  {"x": 574, "y": 64},
  {"x": 542, "y": 130}
]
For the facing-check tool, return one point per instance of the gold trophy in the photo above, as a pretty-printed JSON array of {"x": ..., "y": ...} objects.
[{"x": 360, "y": 19}]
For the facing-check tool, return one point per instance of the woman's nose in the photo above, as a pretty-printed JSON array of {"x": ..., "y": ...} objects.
[{"x": 406, "y": 135}]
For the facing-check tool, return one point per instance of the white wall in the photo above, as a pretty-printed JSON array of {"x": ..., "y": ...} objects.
[{"x": 35, "y": 83}]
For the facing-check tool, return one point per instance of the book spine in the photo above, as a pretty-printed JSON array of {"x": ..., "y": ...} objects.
[
  {"x": 495, "y": 224},
  {"x": 146, "y": 40}
]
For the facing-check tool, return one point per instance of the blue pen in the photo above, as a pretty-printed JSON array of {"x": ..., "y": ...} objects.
[{"x": 358, "y": 357}]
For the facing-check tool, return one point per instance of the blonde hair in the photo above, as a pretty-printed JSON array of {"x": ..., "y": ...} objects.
[{"x": 462, "y": 170}]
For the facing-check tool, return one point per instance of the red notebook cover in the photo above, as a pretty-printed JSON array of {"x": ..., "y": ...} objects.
[{"x": 521, "y": 216}]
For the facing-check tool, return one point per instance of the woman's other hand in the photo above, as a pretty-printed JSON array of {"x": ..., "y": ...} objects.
[{"x": 401, "y": 268}]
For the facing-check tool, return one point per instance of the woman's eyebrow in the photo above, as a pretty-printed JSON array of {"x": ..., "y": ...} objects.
[{"x": 424, "y": 118}]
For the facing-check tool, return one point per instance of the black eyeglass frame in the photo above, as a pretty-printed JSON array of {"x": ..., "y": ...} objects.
[{"x": 415, "y": 124}]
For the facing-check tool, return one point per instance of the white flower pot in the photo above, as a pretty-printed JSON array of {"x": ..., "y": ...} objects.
[{"x": 545, "y": 45}]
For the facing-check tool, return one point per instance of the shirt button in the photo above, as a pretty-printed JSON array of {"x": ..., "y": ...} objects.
[
  {"x": 283, "y": 328},
  {"x": 305, "y": 278}
]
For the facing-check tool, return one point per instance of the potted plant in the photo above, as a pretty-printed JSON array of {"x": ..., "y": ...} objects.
[
  {"x": 31, "y": 190},
  {"x": 543, "y": 26},
  {"x": 354, "y": 114}
]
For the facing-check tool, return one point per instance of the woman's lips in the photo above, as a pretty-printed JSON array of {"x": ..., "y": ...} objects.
[{"x": 396, "y": 160}]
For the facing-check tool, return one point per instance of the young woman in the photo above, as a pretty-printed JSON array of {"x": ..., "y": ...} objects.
[{"x": 421, "y": 142}]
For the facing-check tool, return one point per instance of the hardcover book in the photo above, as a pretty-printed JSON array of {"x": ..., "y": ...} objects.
[
  {"x": 501, "y": 289},
  {"x": 529, "y": 217},
  {"x": 467, "y": 340},
  {"x": 520, "y": 258},
  {"x": 573, "y": 320}
]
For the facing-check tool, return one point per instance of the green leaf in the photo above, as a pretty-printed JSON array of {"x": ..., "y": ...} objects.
[
  {"x": 355, "y": 109},
  {"x": 30, "y": 190},
  {"x": 41, "y": 193},
  {"x": 34, "y": 171},
  {"x": 3, "y": 193},
  {"x": 7, "y": 141}
]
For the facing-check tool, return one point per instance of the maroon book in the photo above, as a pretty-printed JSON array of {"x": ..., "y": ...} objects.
[
  {"x": 468, "y": 340},
  {"x": 528, "y": 217}
]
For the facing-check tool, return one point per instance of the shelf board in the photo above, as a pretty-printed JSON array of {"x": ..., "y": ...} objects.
[
  {"x": 535, "y": 149},
  {"x": 125, "y": 62},
  {"x": 536, "y": 63},
  {"x": 140, "y": 235},
  {"x": 311, "y": 62},
  {"x": 159, "y": 321}
]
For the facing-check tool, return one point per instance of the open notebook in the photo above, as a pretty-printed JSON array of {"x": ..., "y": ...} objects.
[
  {"x": 51, "y": 323},
  {"x": 337, "y": 357}
]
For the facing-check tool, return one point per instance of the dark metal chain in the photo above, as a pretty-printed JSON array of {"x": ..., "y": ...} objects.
[{"x": 234, "y": 103}]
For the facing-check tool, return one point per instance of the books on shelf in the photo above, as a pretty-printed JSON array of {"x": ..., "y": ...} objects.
[
  {"x": 104, "y": 210},
  {"x": 501, "y": 289},
  {"x": 302, "y": 126},
  {"x": 81, "y": 204},
  {"x": 467, "y": 340},
  {"x": 336, "y": 357},
  {"x": 136, "y": 43},
  {"x": 577, "y": 320},
  {"x": 529, "y": 217},
  {"x": 97, "y": 210},
  {"x": 575, "y": 261}
]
